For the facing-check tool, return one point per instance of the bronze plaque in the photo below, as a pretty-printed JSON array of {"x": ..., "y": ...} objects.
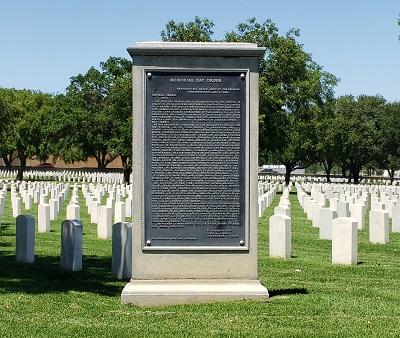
[{"x": 195, "y": 174}]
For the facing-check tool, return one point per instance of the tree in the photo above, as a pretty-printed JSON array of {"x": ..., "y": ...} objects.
[
  {"x": 292, "y": 90},
  {"x": 67, "y": 130},
  {"x": 387, "y": 143},
  {"x": 356, "y": 135},
  {"x": 6, "y": 115},
  {"x": 94, "y": 113},
  {"x": 292, "y": 87},
  {"x": 325, "y": 129},
  {"x": 199, "y": 30},
  {"x": 120, "y": 101},
  {"x": 25, "y": 131}
]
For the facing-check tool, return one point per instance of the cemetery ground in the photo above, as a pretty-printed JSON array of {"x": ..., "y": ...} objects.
[{"x": 309, "y": 297}]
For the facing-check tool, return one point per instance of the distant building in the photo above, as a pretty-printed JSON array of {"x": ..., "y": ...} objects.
[
  {"x": 386, "y": 174},
  {"x": 279, "y": 169},
  {"x": 91, "y": 163}
]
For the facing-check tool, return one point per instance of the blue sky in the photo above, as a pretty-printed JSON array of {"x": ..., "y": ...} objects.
[{"x": 45, "y": 42}]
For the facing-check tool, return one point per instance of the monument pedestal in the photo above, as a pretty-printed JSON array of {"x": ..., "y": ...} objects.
[
  {"x": 187, "y": 291},
  {"x": 195, "y": 173}
]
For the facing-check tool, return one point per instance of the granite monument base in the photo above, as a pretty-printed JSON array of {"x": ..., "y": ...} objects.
[{"x": 190, "y": 291}]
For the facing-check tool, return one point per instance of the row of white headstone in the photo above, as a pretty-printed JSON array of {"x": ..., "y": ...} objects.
[
  {"x": 118, "y": 205},
  {"x": 66, "y": 176},
  {"x": 266, "y": 194},
  {"x": 351, "y": 201},
  {"x": 3, "y": 194},
  {"x": 71, "y": 248},
  {"x": 50, "y": 196},
  {"x": 346, "y": 215},
  {"x": 323, "y": 180}
]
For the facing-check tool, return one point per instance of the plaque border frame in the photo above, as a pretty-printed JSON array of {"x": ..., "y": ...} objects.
[{"x": 190, "y": 248}]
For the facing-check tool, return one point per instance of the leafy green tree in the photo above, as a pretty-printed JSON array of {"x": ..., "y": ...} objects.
[
  {"x": 6, "y": 115},
  {"x": 120, "y": 103},
  {"x": 199, "y": 30},
  {"x": 356, "y": 131},
  {"x": 293, "y": 88},
  {"x": 387, "y": 142},
  {"x": 67, "y": 129},
  {"x": 92, "y": 116},
  {"x": 325, "y": 130},
  {"x": 25, "y": 132}
]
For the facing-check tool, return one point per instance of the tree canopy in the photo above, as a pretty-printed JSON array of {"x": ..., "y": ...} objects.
[
  {"x": 199, "y": 30},
  {"x": 100, "y": 103},
  {"x": 24, "y": 131},
  {"x": 293, "y": 88}
]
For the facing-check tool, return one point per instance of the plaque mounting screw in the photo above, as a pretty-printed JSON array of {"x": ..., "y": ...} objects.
[
  {"x": 242, "y": 76},
  {"x": 148, "y": 243},
  {"x": 149, "y": 75},
  {"x": 241, "y": 243}
]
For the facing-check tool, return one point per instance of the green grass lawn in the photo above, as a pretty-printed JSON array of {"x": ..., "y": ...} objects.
[{"x": 309, "y": 297}]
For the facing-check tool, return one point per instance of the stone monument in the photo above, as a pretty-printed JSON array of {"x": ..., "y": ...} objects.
[{"x": 195, "y": 162}]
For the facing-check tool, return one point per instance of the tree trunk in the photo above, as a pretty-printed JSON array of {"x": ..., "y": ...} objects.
[
  {"x": 100, "y": 158},
  {"x": 356, "y": 177},
  {"x": 328, "y": 165},
  {"x": 343, "y": 168},
  {"x": 7, "y": 161},
  {"x": 22, "y": 158},
  {"x": 127, "y": 169},
  {"x": 287, "y": 173},
  {"x": 391, "y": 175},
  {"x": 328, "y": 176},
  {"x": 355, "y": 172}
]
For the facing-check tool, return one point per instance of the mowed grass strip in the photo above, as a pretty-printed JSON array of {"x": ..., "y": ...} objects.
[{"x": 309, "y": 297}]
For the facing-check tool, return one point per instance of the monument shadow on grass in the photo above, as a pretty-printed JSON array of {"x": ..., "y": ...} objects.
[
  {"x": 46, "y": 276},
  {"x": 282, "y": 292}
]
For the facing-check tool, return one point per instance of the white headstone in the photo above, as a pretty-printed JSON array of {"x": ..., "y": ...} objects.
[
  {"x": 28, "y": 201},
  {"x": 326, "y": 217},
  {"x": 53, "y": 209},
  {"x": 344, "y": 241},
  {"x": 17, "y": 207},
  {"x": 310, "y": 208},
  {"x": 343, "y": 209},
  {"x": 104, "y": 222},
  {"x": 316, "y": 208},
  {"x": 25, "y": 239},
  {"x": 43, "y": 218},
  {"x": 110, "y": 202},
  {"x": 306, "y": 202},
  {"x": 119, "y": 214},
  {"x": 128, "y": 207},
  {"x": 261, "y": 207},
  {"x": 378, "y": 205},
  {"x": 357, "y": 212},
  {"x": 333, "y": 203},
  {"x": 94, "y": 211},
  {"x": 379, "y": 226},
  {"x": 121, "y": 262},
  {"x": 396, "y": 218},
  {"x": 73, "y": 212},
  {"x": 282, "y": 210},
  {"x": 280, "y": 232},
  {"x": 71, "y": 245}
]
